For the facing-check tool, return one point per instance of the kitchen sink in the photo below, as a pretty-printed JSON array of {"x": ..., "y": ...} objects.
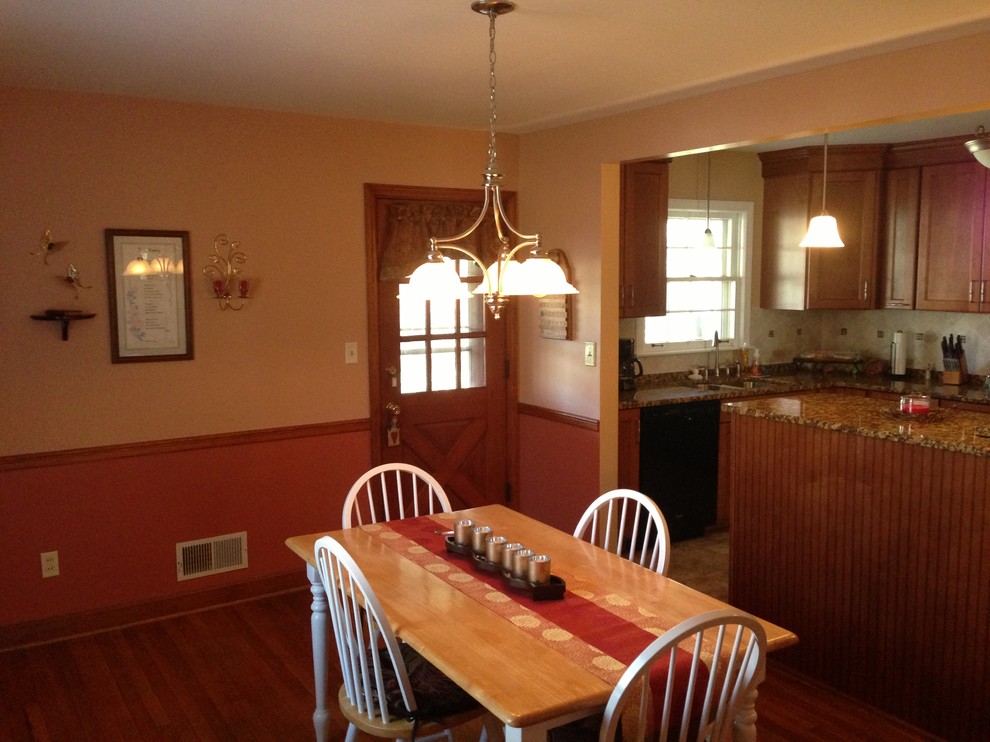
[{"x": 728, "y": 384}]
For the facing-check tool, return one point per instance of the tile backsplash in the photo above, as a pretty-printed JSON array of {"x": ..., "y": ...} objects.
[{"x": 780, "y": 335}]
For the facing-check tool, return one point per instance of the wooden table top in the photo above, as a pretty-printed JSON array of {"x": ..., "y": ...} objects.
[{"x": 516, "y": 676}]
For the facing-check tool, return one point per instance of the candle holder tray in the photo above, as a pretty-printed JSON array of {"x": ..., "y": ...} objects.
[{"x": 552, "y": 590}]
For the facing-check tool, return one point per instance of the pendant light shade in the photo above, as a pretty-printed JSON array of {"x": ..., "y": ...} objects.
[
  {"x": 823, "y": 230},
  {"x": 708, "y": 239},
  {"x": 534, "y": 273},
  {"x": 980, "y": 147}
]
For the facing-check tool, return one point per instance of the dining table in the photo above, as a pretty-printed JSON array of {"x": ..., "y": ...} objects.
[{"x": 533, "y": 663}]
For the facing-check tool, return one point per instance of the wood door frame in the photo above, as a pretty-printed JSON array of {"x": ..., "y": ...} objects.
[{"x": 374, "y": 192}]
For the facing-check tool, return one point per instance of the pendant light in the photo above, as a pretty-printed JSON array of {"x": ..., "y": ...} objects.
[
  {"x": 537, "y": 275},
  {"x": 709, "y": 239},
  {"x": 980, "y": 147},
  {"x": 823, "y": 231}
]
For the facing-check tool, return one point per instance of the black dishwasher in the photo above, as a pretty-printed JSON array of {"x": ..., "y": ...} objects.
[{"x": 678, "y": 463}]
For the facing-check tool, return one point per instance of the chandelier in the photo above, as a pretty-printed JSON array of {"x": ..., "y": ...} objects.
[{"x": 537, "y": 275}]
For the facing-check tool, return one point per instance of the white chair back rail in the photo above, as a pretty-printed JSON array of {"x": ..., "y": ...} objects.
[
  {"x": 391, "y": 492},
  {"x": 734, "y": 645},
  {"x": 630, "y": 524}
]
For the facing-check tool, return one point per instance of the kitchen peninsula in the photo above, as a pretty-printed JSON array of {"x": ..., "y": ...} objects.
[{"x": 867, "y": 532}]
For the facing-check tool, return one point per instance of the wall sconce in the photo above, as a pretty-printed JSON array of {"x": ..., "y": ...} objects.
[{"x": 224, "y": 271}]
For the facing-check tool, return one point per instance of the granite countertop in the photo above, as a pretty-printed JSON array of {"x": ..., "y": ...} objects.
[
  {"x": 679, "y": 391},
  {"x": 947, "y": 429}
]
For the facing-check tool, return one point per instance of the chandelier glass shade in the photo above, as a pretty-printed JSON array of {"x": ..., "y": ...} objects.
[
  {"x": 522, "y": 269},
  {"x": 980, "y": 147}
]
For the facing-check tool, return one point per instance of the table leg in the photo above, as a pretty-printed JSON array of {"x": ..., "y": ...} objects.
[
  {"x": 744, "y": 728},
  {"x": 318, "y": 626}
]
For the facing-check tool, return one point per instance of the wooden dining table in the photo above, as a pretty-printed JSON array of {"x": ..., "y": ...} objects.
[{"x": 533, "y": 664}]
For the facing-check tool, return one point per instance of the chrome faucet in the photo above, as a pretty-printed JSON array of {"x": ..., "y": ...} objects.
[{"x": 715, "y": 344}]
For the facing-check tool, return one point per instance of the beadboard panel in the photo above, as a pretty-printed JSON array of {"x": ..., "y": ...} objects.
[{"x": 875, "y": 553}]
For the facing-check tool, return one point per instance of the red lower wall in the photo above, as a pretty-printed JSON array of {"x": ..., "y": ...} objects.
[
  {"x": 115, "y": 521},
  {"x": 558, "y": 468}
]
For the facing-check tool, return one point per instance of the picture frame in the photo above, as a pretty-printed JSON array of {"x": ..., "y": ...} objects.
[{"x": 150, "y": 298}]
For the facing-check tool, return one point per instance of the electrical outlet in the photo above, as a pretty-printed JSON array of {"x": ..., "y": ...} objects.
[
  {"x": 49, "y": 564},
  {"x": 350, "y": 353},
  {"x": 590, "y": 356}
]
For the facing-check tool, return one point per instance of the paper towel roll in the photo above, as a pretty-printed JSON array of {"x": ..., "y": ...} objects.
[{"x": 898, "y": 364}]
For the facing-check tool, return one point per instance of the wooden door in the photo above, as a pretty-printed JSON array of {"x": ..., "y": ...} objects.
[
  {"x": 950, "y": 237},
  {"x": 441, "y": 380}
]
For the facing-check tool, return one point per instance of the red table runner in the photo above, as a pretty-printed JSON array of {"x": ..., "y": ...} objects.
[{"x": 602, "y": 631}]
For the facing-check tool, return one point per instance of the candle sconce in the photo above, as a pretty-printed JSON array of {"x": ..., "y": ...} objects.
[{"x": 227, "y": 287}]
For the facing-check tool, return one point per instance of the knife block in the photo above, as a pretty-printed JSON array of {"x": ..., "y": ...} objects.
[{"x": 954, "y": 378}]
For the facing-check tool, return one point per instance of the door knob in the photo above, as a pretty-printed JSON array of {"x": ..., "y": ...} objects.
[{"x": 393, "y": 408}]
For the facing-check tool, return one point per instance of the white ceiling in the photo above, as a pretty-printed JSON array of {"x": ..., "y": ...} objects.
[{"x": 426, "y": 62}]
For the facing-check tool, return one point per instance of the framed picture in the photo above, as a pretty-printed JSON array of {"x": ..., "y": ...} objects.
[{"x": 149, "y": 289}]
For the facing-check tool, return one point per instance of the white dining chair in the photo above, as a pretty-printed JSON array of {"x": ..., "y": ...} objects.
[
  {"x": 389, "y": 690},
  {"x": 709, "y": 667},
  {"x": 391, "y": 492},
  {"x": 630, "y": 524}
]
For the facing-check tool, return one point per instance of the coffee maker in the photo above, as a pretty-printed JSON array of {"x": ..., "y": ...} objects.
[{"x": 629, "y": 365}]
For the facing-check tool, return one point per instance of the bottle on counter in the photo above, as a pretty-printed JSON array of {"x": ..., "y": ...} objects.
[
  {"x": 744, "y": 357},
  {"x": 754, "y": 357}
]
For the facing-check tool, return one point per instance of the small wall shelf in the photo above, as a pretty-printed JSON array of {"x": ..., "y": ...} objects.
[{"x": 63, "y": 316}]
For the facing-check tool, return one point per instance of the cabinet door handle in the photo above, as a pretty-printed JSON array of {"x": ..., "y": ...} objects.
[
  {"x": 622, "y": 295},
  {"x": 971, "y": 285},
  {"x": 983, "y": 287},
  {"x": 866, "y": 290},
  {"x": 632, "y": 295}
]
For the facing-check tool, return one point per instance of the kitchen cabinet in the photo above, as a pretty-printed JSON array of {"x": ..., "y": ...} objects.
[
  {"x": 900, "y": 238},
  {"x": 643, "y": 239},
  {"x": 628, "y": 463},
  {"x": 953, "y": 239},
  {"x": 793, "y": 277}
]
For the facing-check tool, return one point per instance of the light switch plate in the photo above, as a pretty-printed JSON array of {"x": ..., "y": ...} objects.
[
  {"x": 350, "y": 353},
  {"x": 590, "y": 353}
]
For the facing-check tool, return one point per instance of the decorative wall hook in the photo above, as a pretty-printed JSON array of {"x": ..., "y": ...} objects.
[
  {"x": 224, "y": 272},
  {"x": 48, "y": 245},
  {"x": 72, "y": 278}
]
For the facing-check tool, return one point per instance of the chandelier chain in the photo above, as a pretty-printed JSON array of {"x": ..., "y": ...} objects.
[{"x": 492, "y": 115}]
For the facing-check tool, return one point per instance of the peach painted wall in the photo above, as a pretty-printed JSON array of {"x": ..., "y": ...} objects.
[
  {"x": 562, "y": 187},
  {"x": 290, "y": 188}
]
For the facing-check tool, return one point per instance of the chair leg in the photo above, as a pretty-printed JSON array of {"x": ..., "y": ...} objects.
[{"x": 352, "y": 733}]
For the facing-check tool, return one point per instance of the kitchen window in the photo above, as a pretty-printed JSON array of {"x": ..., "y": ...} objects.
[{"x": 705, "y": 287}]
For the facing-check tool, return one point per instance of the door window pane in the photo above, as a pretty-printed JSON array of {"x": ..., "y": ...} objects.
[
  {"x": 443, "y": 365},
  {"x": 412, "y": 366}
]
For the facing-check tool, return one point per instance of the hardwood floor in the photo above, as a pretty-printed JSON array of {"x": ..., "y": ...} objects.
[{"x": 244, "y": 672}]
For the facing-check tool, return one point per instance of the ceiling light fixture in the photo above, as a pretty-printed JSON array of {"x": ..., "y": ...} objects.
[
  {"x": 823, "y": 231},
  {"x": 537, "y": 275},
  {"x": 980, "y": 147}
]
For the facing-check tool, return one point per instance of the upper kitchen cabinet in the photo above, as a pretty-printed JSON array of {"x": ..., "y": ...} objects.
[
  {"x": 643, "y": 239},
  {"x": 793, "y": 277},
  {"x": 938, "y": 190},
  {"x": 953, "y": 263},
  {"x": 900, "y": 238}
]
